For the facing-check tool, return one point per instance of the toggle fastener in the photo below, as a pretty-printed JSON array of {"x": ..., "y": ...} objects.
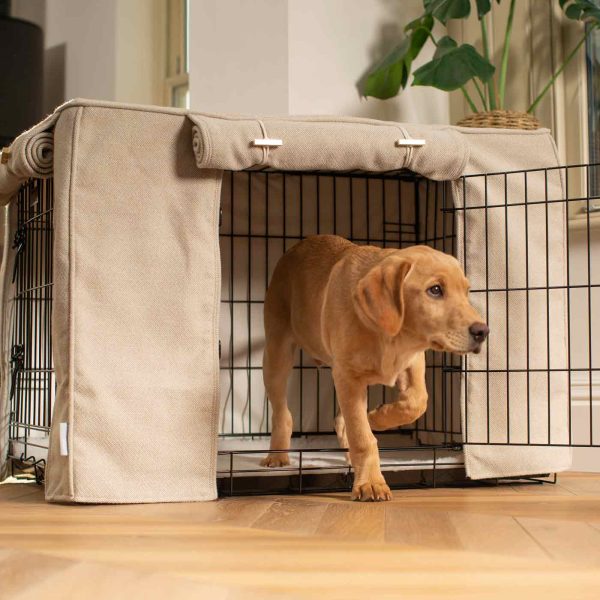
[
  {"x": 267, "y": 142},
  {"x": 410, "y": 143}
]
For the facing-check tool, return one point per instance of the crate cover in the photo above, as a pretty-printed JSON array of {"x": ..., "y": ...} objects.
[{"x": 137, "y": 284}]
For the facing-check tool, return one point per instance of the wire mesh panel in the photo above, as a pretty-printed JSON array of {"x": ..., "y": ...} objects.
[
  {"x": 536, "y": 280},
  {"x": 437, "y": 228},
  {"x": 263, "y": 215},
  {"x": 32, "y": 383}
]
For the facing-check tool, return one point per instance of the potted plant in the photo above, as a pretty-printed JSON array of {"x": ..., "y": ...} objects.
[{"x": 454, "y": 65}]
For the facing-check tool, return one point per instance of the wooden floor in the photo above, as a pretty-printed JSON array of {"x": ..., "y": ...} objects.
[{"x": 503, "y": 542}]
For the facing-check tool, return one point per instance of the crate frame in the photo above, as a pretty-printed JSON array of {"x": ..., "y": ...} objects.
[{"x": 31, "y": 402}]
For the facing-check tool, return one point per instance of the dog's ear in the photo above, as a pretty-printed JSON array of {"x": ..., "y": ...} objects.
[{"x": 378, "y": 297}]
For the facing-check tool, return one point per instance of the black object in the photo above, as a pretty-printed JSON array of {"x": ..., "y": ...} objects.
[{"x": 21, "y": 66}]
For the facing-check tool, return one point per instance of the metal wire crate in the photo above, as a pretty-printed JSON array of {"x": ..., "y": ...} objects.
[
  {"x": 32, "y": 385},
  {"x": 263, "y": 214}
]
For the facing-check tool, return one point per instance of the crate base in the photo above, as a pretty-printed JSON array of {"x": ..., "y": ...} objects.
[{"x": 244, "y": 463}]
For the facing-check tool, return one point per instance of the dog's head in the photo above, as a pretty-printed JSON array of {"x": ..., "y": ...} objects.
[{"x": 422, "y": 293}]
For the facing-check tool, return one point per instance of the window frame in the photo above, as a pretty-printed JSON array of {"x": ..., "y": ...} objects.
[{"x": 173, "y": 63}]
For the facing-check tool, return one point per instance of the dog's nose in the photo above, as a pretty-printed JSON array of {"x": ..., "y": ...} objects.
[{"x": 479, "y": 331}]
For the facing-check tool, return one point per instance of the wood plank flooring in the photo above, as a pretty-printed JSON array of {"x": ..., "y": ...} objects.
[{"x": 496, "y": 542}]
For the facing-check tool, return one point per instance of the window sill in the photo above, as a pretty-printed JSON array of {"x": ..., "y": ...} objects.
[{"x": 580, "y": 221}]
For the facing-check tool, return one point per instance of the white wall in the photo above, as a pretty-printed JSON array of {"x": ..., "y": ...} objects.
[
  {"x": 333, "y": 44},
  {"x": 300, "y": 57},
  {"x": 585, "y": 459},
  {"x": 87, "y": 31},
  {"x": 239, "y": 56},
  {"x": 259, "y": 56},
  {"x": 100, "y": 49}
]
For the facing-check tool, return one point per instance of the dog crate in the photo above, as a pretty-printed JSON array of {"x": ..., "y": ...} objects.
[
  {"x": 262, "y": 215},
  {"x": 515, "y": 410}
]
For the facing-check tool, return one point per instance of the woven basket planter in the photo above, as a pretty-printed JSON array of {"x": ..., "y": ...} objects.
[{"x": 504, "y": 119}]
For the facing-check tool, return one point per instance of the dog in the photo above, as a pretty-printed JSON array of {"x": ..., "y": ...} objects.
[{"x": 368, "y": 313}]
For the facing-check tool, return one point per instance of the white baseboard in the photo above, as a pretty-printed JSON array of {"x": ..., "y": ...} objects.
[
  {"x": 586, "y": 459},
  {"x": 580, "y": 388}
]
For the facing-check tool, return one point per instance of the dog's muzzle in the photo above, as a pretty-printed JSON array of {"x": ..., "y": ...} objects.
[{"x": 478, "y": 333}]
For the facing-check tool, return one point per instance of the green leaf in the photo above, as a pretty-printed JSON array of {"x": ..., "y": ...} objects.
[
  {"x": 483, "y": 8},
  {"x": 453, "y": 66},
  {"x": 444, "y": 46},
  {"x": 425, "y": 21},
  {"x": 418, "y": 39},
  {"x": 444, "y": 10},
  {"x": 581, "y": 10},
  {"x": 386, "y": 79},
  {"x": 573, "y": 12},
  {"x": 391, "y": 74}
]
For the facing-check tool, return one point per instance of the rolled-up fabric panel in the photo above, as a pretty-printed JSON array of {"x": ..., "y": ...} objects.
[
  {"x": 37, "y": 154},
  {"x": 227, "y": 142},
  {"x": 30, "y": 155},
  {"x": 327, "y": 143}
]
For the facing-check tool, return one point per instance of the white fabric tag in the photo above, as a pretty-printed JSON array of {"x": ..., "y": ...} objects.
[{"x": 64, "y": 446}]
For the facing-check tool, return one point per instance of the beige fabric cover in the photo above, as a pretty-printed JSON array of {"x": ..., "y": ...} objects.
[
  {"x": 136, "y": 296},
  {"x": 327, "y": 143},
  {"x": 135, "y": 313},
  {"x": 523, "y": 335}
]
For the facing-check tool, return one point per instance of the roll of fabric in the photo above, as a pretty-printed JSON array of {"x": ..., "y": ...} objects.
[
  {"x": 30, "y": 155},
  {"x": 327, "y": 143},
  {"x": 37, "y": 154}
]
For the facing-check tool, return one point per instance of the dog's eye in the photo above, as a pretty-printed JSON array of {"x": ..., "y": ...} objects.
[{"x": 435, "y": 291}]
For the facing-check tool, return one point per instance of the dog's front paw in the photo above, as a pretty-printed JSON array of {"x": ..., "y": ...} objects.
[
  {"x": 278, "y": 459},
  {"x": 371, "y": 492}
]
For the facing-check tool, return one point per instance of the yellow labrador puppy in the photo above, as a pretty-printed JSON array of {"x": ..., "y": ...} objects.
[{"x": 369, "y": 314}]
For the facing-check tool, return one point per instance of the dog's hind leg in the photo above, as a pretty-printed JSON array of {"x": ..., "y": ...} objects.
[{"x": 278, "y": 361}]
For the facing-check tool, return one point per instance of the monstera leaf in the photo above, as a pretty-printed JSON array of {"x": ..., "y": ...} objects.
[
  {"x": 581, "y": 10},
  {"x": 391, "y": 74},
  {"x": 444, "y": 10},
  {"x": 453, "y": 66}
]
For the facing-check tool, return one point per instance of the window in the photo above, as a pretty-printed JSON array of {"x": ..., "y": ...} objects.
[
  {"x": 176, "y": 82},
  {"x": 593, "y": 93}
]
